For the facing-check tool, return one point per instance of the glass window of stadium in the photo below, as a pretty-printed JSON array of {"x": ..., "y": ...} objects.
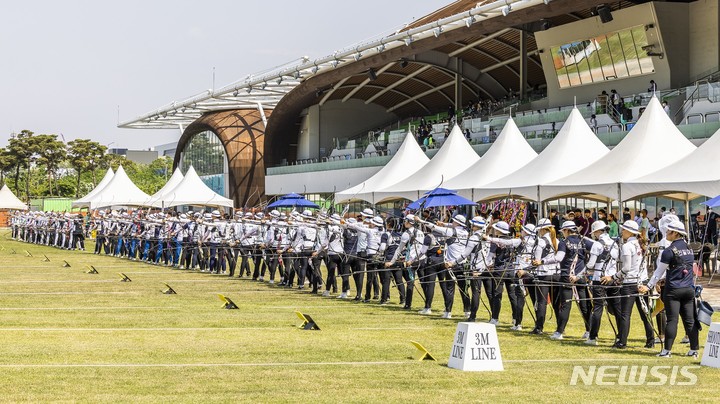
[{"x": 206, "y": 154}]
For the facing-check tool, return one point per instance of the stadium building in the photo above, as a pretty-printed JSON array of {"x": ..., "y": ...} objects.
[{"x": 322, "y": 125}]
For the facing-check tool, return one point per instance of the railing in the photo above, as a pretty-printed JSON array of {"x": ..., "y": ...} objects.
[{"x": 703, "y": 117}]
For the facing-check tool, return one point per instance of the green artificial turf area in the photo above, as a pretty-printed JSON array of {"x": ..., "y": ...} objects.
[{"x": 66, "y": 335}]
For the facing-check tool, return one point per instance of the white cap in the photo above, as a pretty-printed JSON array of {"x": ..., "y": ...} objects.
[
  {"x": 529, "y": 228},
  {"x": 478, "y": 221},
  {"x": 460, "y": 219},
  {"x": 367, "y": 212},
  {"x": 377, "y": 221},
  {"x": 502, "y": 227},
  {"x": 410, "y": 218},
  {"x": 274, "y": 213},
  {"x": 677, "y": 227},
  {"x": 598, "y": 225},
  {"x": 568, "y": 225},
  {"x": 307, "y": 214},
  {"x": 631, "y": 226},
  {"x": 543, "y": 224}
]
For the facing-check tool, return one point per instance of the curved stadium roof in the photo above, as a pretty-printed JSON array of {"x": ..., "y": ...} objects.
[{"x": 408, "y": 72}]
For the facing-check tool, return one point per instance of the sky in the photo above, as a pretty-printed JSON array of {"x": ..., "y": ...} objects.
[{"x": 67, "y": 66}]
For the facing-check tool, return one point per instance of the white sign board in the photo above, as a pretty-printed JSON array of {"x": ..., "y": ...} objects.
[
  {"x": 475, "y": 348},
  {"x": 711, "y": 353}
]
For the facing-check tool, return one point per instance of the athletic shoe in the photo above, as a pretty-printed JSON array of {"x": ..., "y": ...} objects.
[
  {"x": 376, "y": 297},
  {"x": 536, "y": 331},
  {"x": 467, "y": 314},
  {"x": 592, "y": 342},
  {"x": 516, "y": 327},
  {"x": 692, "y": 353},
  {"x": 494, "y": 321},
  {"x": 659, "y": 341},
  {"x": 586, "y": 335},
  {"x": 664, "y": 354},
  {"x": 271, "y": 282},
  {"x": 446, "y": 314},
  {"x": 343, "y": 295},
  {"x": 685, "y": 340},
  {"x": 426, "y": 311},
  {"x": 325, "y": 293},
  {"x": 650, "y": 344},
  {"x": 556, "y": 336},
  {"x": 383, "y": 302},
  {"x": 357, "y": 298},
  {"x": 402, "y": 302},
  {"x": 618, "y": 345},
  {"x": 365, "y": 300}
]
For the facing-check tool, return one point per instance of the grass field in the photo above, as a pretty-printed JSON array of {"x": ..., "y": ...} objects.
[{"x": 70, "y": 336}]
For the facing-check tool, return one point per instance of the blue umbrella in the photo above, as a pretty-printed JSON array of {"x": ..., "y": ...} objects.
[
  {"x": 713, "y": 203},
  {"x": 292, "y": 201},
  {"x": 440, "y": 197}
]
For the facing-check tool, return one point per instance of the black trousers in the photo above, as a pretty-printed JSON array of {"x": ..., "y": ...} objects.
[
  {"x": 585, "y": 305},
  {"x": 433, "y": 266},
  {"x": 561, "y": 300},
  {"x": 625, "y": 311},
  {"x": 493, "y": 284},
  {"x": 333, "y": 264},
  {"x": 647, "y": 321},
  {"x": 681, "y": 303},
  {"x": 357, "y": 266},
  {"x": 371, "y": 281},
  {"x": 392, "y": 273},
  {"x": 516, "y": 297},
  {"x": 539, "y": 291},
  {"x": 599, "y": 293},
  {"x": 475, "y": 286},
  {"x": 344, "y": 272}
]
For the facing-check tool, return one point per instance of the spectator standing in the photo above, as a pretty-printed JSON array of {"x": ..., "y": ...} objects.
[
  {"x": 593, "y": 123},
  {"x": 653, "y": 87},
  {"x": 613, "y": 225},
  {"x": 644, "y": 224},
  {"x": 666, "y": 107}
]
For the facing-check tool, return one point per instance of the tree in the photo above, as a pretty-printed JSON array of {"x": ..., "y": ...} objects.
[
  {"x": 7, "y": 163},
  {"x": 51, "y": 154},
  {"x": 22, "y": 148},
  {"x": 85, "y": 155}
]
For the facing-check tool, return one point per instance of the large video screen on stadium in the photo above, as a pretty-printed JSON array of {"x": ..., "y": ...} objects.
[{"x": 611, "y": 56}]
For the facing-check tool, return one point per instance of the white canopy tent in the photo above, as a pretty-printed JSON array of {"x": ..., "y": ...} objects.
[
  {"x": 159, "y": 196},
  {"x": 193, "y": 191},
  {"x": 454, "y": 157},
  {"x": 120, "y": 191},
  {"x": 8, "y": 200},
  {"x": 694, "y": 175},
  {"x": 510, "y": 149},
  {"x": 652, "y": 144},
  {"x": 85, "y": 200},
  {"x": 408, "y": 159},
  {"x": 574, "y": 147}
]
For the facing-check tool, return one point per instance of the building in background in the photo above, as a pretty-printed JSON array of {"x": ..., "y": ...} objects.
[
  {"x": 136, "y": 156},
  {"x": 305, "y": 126}
]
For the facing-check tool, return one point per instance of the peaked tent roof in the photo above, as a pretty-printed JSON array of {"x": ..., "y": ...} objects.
[
  {"x": 84, "y": 201},
  {"x": 158, "y": 197},
  {"x": 454, "y": 157},
  {"x": 653, "y": 143},
  {"x": 193, "y": 191},
  {"x": 510, "y": 147},
  {"x": 8, "y": 200},
  {"x": 120, "y": 191},
  {"x": 408, "y": 159},
  {"x": 694, "y": 174},
  {"x": 574, "y": 147}
]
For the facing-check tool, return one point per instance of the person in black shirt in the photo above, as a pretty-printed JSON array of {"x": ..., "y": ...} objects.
[
  {"x": 389, "y": 242},
  {"x": 676, "y": 263}
]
